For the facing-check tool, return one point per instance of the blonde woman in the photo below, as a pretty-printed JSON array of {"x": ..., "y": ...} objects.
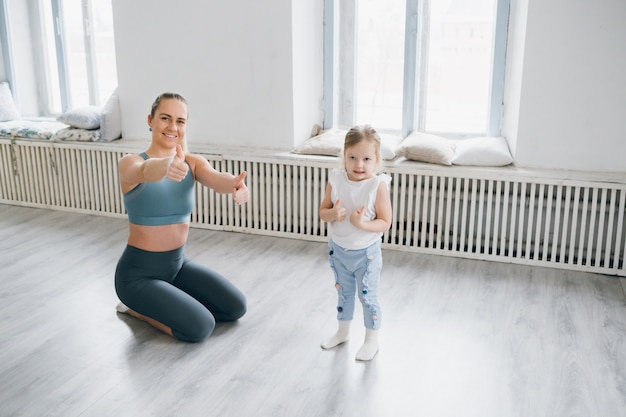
[{"x": 154, "y": 279}]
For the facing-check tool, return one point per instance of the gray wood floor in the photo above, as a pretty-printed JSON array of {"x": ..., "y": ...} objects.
[{"x": 459, "y": 337}]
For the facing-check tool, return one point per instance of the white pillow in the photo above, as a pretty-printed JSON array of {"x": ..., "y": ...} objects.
[
  {"x": 8, "y": 109},
  {"x": 425, "y": 147},
  {"x": 483, "y": 151},
  {"x": 87, "y": 117},
  {"x": 75, "y": 134},
  {"x": 330, "y": 142},
  {"x": 36, "y": 129},
  {"x": 111, "y": 119},
  {"x": 389, "y": 145}
]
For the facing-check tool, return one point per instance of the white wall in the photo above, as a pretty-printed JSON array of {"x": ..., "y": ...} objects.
[
  {"x": 307, "y": 29},
  {"x": 252, "y": 72},
  {"x": 233, "y": 61},
  {"x": 566, "y": 85}
]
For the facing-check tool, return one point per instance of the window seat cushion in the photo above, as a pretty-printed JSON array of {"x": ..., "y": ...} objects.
[
  {"x": 30, "y": 129},
  {"x": 330, "y": 143}
]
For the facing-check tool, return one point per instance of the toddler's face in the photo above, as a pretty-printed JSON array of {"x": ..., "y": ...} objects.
[{"x": 361, "y": 161}]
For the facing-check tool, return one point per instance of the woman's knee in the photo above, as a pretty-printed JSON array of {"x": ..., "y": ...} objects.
[
  {"x": 238, "y": 309},
  {"x": 196, "y": 331}
]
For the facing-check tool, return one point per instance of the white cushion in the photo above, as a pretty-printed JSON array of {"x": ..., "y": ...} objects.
[
  {"x": 87, "y": 117},
  {"x": 389, "y": 145},
  {"x": 76, "y": 134},
  {"x": 111, "y": 119},
  {"x": 30, "y": 129},
  {"x": 482, "y": 151},
  {"x": 425, "y": 147},
  {"x": 330, "y": 142}
]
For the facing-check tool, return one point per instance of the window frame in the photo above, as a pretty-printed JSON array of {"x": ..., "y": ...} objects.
[
  {"x": 61, "y": 52},
  {"x": 340, "y": 34},
  {"x": 7, "y": 49},
  {"x": 62, "y": 59}
]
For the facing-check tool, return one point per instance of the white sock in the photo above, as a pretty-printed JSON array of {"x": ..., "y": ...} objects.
[
  {"x": 370, "y": 346},
  {"x": 121, "y": 308},
  {"x": 341, "y": 336}
]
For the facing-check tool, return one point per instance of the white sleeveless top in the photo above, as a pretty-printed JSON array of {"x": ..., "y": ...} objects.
[{"x": 354, "y": 195}]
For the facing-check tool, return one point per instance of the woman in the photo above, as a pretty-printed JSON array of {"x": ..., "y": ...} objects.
[{"x": 154, "y": 279}]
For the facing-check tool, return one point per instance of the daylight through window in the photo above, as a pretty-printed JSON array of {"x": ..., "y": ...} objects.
[{"x": 429, "y": 65}]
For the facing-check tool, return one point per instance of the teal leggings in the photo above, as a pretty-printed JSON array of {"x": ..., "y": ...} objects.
[{"x": 183, "y": 295}]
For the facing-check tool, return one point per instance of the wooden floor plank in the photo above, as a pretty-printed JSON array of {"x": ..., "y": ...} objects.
[{"x": 459, "y": 337}]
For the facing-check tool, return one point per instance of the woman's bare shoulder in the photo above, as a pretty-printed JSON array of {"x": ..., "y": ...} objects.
[
  {"x": 194, "y": 160},
  {"x": 131, "y": 157}
]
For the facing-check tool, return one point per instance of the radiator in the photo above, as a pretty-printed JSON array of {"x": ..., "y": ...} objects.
[{"x": 489, "y": 214}]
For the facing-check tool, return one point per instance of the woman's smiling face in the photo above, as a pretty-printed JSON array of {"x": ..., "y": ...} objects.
[{"x": 169, "y": 122}]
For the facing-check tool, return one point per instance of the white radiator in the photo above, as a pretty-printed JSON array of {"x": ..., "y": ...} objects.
[{"x": 498, "y": 215}]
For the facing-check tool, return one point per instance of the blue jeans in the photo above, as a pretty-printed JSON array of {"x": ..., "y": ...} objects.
[{"x": 357, "y": 270}]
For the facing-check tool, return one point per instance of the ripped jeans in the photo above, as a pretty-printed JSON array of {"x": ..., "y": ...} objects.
[{"x": 357, "y": 270}]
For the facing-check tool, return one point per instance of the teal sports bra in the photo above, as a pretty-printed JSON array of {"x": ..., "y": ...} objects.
[{"x": 160, "y": 203}]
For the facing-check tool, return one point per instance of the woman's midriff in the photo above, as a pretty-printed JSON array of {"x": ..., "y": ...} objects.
[{"x": 158, "y": 238}]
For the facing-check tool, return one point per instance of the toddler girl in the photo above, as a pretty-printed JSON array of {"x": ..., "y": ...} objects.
[{"x": 357, "y": 207}]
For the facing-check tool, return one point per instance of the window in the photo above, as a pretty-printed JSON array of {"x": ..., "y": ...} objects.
[
  {"x": 64, "y": 55},
  {"x": 401, "y": 65}
]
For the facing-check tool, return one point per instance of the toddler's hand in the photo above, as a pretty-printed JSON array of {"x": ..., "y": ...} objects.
[
  {"x": 356, "y": 217},
  {"x": 339, "y": 213}
]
